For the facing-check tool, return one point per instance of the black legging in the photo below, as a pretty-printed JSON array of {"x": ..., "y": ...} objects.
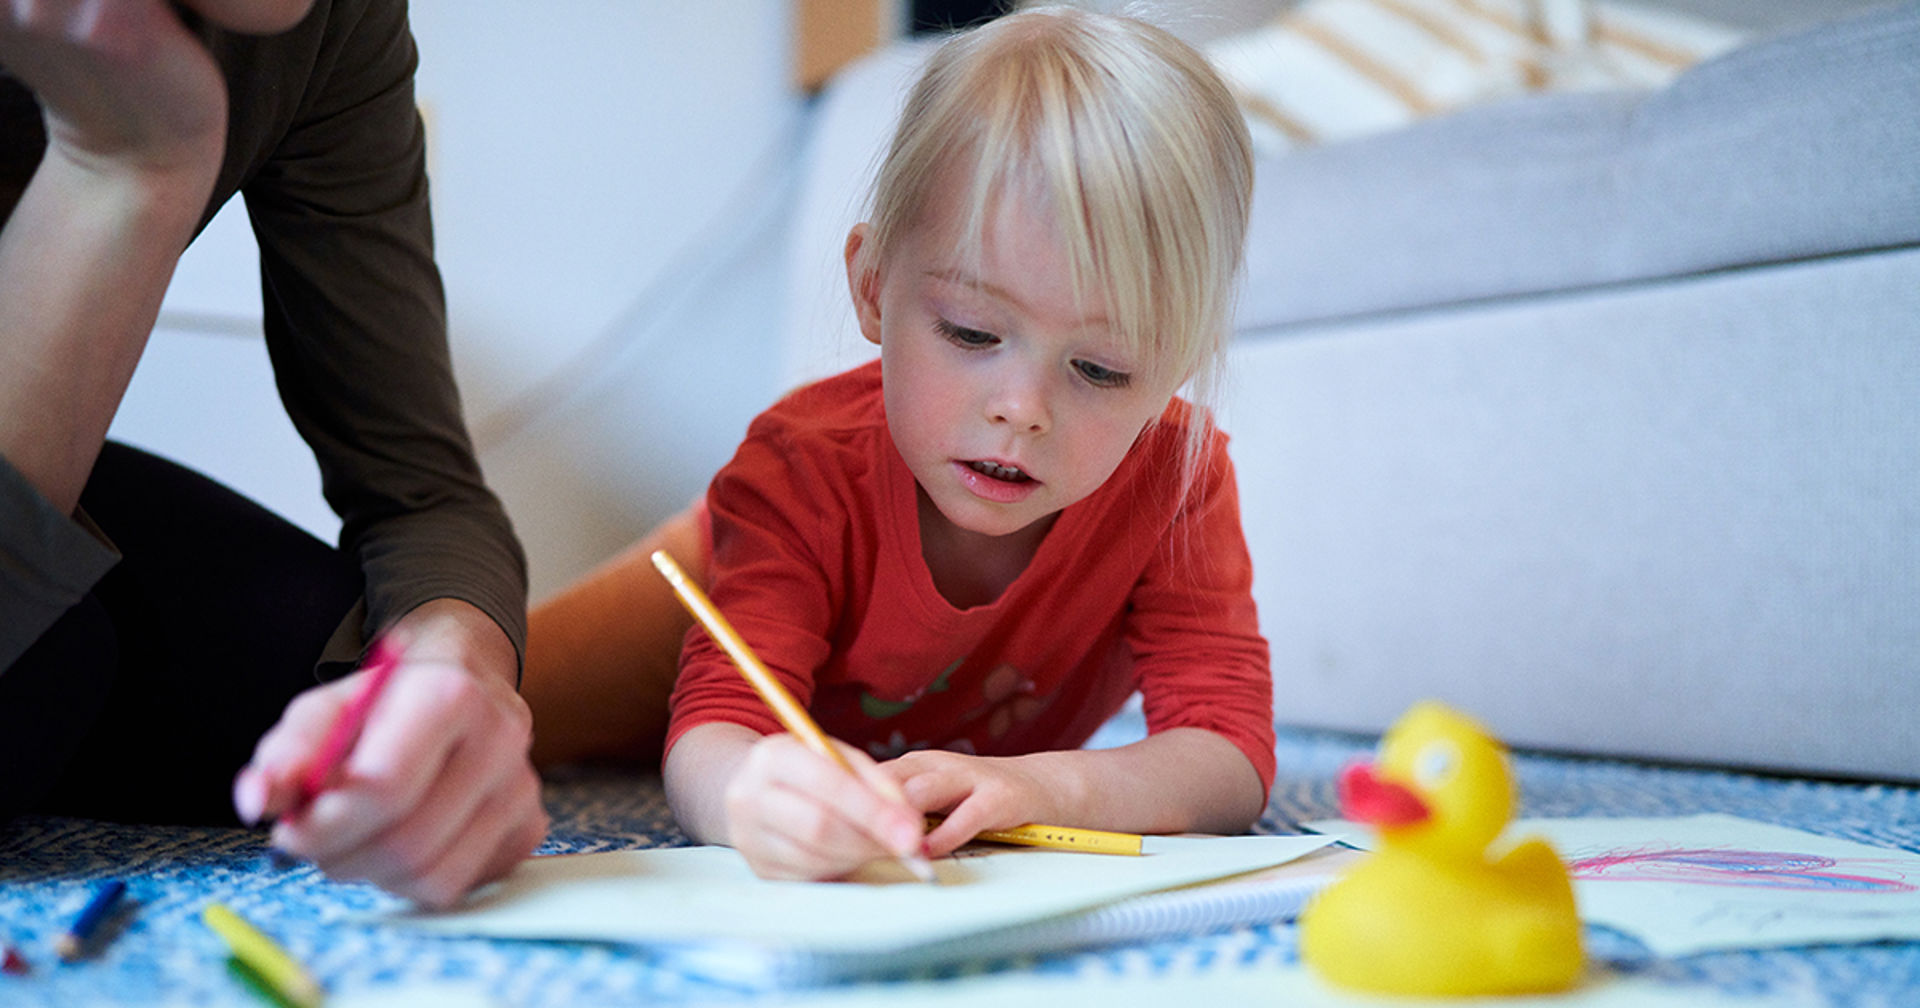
[{"x": 142, "y": 702}]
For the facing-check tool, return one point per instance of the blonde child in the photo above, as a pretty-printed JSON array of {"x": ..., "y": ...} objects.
[{"x": 965, "y": 556}]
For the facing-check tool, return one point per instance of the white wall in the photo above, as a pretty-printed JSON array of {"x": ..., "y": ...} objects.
[{"x": 599, "y": 169}]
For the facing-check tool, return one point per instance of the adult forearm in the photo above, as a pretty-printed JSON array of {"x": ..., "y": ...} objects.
[{"x": 84, "y": 263}]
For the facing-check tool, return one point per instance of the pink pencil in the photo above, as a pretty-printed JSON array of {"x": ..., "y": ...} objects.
[{"x": 346, "y": 727}]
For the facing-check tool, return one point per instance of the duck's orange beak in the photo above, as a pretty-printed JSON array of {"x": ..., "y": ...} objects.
[{"x": 1368, "y": 798}]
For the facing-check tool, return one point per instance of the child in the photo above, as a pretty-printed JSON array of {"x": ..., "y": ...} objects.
[{"x": 964, "y": 557}]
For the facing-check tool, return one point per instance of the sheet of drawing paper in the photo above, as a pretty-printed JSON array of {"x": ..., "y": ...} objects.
[
  {"x": 1291, "y": 986},
  {"x": 1703, "y": 883},
  {"x": 707, "y": 894}
]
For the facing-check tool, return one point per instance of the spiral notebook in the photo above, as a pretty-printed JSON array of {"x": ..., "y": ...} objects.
[{"x": 701, "y": 909}]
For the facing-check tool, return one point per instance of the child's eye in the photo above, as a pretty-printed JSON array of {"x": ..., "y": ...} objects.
[
  {"x": 1102, "y": 376},
  {"x": 963, "y": 336}
]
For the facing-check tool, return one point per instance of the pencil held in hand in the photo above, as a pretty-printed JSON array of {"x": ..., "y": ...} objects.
[
  {"x": 346, "y": 728},
  {"x": 792, "y": 716}
]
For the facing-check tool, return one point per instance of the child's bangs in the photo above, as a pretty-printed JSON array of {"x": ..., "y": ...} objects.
[
  {"x": 1125, "y": 135},
  {"x": 1079, "y": 119}
]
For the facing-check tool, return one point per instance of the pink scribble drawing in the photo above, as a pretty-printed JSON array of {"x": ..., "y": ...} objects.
[{"x": 1746, "y": 868}]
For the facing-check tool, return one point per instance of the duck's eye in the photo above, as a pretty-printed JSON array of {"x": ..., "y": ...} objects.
[{"x": 1435, "y": 764}]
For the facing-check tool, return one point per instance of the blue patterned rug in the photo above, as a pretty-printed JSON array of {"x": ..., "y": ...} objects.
[{"x": 156, "y": 951}]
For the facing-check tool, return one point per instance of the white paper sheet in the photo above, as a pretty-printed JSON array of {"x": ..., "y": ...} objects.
[
  {"x": 1709, "y": 882},
  {"x": 707, "y": 894}
]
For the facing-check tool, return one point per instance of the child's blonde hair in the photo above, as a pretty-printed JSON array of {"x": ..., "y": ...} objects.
[{"x": 1132, "y": 137}]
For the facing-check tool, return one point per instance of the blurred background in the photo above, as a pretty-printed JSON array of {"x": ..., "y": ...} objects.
[
  {"x": 613, "y": 191},
  {"x": 602, "y": 171},
  {"x": 611, "y": 181}
]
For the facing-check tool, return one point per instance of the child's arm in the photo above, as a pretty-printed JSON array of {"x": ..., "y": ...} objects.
[
  {"x": 1176, "y": 781},
  {"x": 792, "y": 813}
]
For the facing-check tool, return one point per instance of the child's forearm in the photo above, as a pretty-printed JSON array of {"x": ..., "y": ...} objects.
[
  {"x": 1183, "y": 780},
  {"x": 696, "y": 772}
]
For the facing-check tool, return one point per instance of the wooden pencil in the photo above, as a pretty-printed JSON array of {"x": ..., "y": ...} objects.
[
  {"x": 265, "y": 959},
  {"x": 791, "y": 715},
  {"x": 69, "y": 946}
]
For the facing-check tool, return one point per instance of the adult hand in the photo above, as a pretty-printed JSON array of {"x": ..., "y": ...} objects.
[
  {"x": 122, "y": 83},
  {"x": 438, "y": 794}
]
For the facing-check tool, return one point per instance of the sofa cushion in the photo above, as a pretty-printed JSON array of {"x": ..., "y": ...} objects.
[
  {"x": 1795, "y": 146},
  {"x": 1331, "y": 70},
  {"x": 1671, "y": 520}
]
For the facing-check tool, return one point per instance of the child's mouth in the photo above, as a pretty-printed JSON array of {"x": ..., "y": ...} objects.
[
  {"x": 994, "y": 470},
  {"x": 996, "y": 482}
]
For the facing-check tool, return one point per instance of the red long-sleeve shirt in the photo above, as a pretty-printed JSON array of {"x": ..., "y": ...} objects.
[{"x": 817, "y": 563}]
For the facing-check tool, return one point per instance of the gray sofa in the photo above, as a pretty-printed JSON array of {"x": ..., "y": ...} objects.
[{"x": 1598, "y": 415}]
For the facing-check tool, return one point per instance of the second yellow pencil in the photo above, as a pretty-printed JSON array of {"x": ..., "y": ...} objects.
[{"x": 267, "y": 960}]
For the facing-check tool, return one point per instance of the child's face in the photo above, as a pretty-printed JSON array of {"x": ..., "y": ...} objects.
[{"x": 1009, "y": 398}]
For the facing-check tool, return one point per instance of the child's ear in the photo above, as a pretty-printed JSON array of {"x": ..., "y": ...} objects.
[{"x": 863, "y": 282}]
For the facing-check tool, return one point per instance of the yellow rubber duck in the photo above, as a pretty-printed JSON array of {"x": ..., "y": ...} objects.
[{"x": 1432, "y": 911}]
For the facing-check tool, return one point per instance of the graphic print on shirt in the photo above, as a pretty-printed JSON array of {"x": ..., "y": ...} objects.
[
  {"x": 1011, "y": 699},
  {"x": 1006, "y": 700},
  {"x": 880, "y": 710}
]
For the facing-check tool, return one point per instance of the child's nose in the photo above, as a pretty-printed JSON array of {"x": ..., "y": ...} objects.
[{"x": 1022, "y": 406}]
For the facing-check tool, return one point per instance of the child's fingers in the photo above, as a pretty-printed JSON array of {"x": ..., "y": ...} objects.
[
  {"x": 829, "y": 817},
  {"x": 960, "y": 826},
  {"x": 790, "y": 835},
  {"x": 971, "y": 793},
  {"x": 866, "y": 801},
  {"x": 897, "y": 824}
]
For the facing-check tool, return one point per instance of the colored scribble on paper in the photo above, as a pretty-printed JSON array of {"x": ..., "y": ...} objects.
[{"x": 1761, "y": 869}]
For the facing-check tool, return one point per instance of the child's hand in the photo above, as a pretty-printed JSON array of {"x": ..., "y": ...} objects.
[
  {"x": 795, "y": 814},
  {"x": 976, "y": 793}
]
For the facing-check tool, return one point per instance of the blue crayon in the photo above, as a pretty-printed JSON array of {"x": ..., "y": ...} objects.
[{"x": 71, "y": 944}]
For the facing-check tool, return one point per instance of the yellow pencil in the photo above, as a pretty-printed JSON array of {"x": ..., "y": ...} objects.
[
  {"x": 792, "y": 716},
  {"x": 267, "y": 960},
  {"x": 1088, "y": 841}
]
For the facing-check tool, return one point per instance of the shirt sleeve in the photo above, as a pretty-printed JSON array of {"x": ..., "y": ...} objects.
[
  {"x": 356, "y": 328},
  {"x": 772, "y": 509},
  {"x": 48, "y": 561},
  {"x": 1194, "y": 630}
]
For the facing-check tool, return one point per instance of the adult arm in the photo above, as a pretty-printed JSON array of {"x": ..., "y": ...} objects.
[
  {"x": 439, "y": 794},
  {"x": 135, "y": 120},
  {"x": 355, "y": 319}
]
